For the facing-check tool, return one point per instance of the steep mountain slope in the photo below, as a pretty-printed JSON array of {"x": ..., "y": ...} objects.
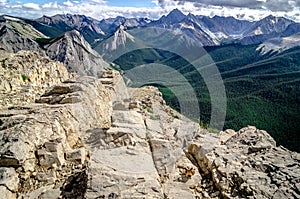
[
  {"x": 179, "y": 23},
  {"x": 293, "y": 28},
  {"x": 76, "y": 53},
  {"x": 118, "y": 40},
  {"x": 205, "y": 30},
  {"x": 229, "y": 26},
  {"x": 246, "y": 32},
  {"x": 126, "y": 40},
  {"x": 16, "y": 35},
  {"x": 213, "y": 31},
  {"x": 269, "y": 25},
  {"x": 70, "y": 48},
  {"x": 174, "y": 17},
  {"x": 110, "y": 25},
  {"x": 87, "y": 26},
  {"x": 265, "y": 29},
  {"x": 92, "y": 29}
]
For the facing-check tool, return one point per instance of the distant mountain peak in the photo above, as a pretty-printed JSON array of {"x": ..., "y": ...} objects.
[
  {"x": 2, "y": 18},
  {"x": 270, "y": 17},
  {"x": 276, "y": 19},
  {"x": 175, "y": 16},
  {"x": 191, "y": 16},
  {"x": 76, "y": 53},
  {"x": 176, "y": 11}
]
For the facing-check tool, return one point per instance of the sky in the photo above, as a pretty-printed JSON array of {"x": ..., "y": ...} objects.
[{"x": 154, "y": 9}]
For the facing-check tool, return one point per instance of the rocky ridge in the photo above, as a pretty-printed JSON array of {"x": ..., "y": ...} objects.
[
  {"x": 90, "y": 137},
  {"x": 14, "y": 41},
  {"x": 76, "y": 53}
]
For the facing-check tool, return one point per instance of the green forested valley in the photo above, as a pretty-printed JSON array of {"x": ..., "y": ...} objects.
[{"x": 262, "y": 90}]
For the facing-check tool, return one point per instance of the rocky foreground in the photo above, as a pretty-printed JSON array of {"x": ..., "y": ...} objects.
[{"x": 86, "y": 137}]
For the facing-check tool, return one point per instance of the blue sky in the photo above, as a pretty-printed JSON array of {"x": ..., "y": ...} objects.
[{"x": 99, "y": 9}]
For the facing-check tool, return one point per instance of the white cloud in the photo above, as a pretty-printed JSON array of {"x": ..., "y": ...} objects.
[
  {"x": 273, "y": 5},
  {"x": 98, "y": 1},
  {"x": 50, "y": 5},
  {"x": 16, "y": 6},
  {"x": 235, "y": 11},
  {"x": 33, "y": 6},
  {"x": 68, "y": 3}
]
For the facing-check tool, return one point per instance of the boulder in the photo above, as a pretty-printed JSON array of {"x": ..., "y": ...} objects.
[{"x": 249, "y": 165}]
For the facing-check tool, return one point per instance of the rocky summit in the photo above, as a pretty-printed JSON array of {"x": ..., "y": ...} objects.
[{"x": 69, "y": 136}]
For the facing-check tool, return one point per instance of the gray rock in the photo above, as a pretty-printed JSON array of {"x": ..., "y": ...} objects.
[
  {"x": 125, "y": 175},
  {"x": 50, "y": 194},
  {"x": 9, "y": 178},
  {"x": 23, "y": 79},
  {"x": 35, "y": 138},
  {"x": 5, "y": 193},
  {"x": 76, "y": 53},
  {"x": 77, "y": 155},
  {"x": 248, "y": 164}
]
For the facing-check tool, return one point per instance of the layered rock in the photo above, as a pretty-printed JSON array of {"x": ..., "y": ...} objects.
[
  {"x": 247, "y": 164},
  {"x": 26, "y": 75},
  {"x": 42, "y": 144},
  {"x": 140, "y": 155}
]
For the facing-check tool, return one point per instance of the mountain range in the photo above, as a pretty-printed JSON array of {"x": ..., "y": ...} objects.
[
  {"x": 207, "y": 31},
  {"x": 18, "y": 33},
  {"x": 258, "y": 60}
]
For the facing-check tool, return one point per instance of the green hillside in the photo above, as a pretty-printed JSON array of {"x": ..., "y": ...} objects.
[
  {"x": 51, "y": 31},
  {"x": 263, "y": 91}
]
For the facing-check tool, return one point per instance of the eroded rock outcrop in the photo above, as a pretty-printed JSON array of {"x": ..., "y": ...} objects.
[
  {"x": 42, "y": 142},
  {"x": 89, "y": 137},
  {"x": 26, "y": 75},
  {"x": 247, "y": 164},
  {"x": 141, "y": 155}
]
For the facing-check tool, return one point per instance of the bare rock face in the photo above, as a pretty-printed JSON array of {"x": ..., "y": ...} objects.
[
  {"x": 140, "y": 156},
  {"x": 41, "y": 151},
  {"x": 16, "y": 35},
  {"x": 76, "y": 53},
  {"x": 26, "y": 75},
  {"x": 249, "y": 165}
]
